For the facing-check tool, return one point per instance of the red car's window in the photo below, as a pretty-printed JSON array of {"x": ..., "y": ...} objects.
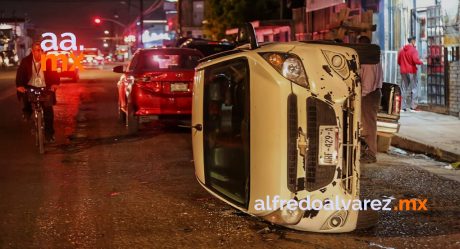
[
  {"x": 133, "y": 63},
  {"x": 168, "y": 61}
]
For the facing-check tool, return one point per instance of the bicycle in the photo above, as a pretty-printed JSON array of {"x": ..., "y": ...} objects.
[{"x": 38, "y": 97}]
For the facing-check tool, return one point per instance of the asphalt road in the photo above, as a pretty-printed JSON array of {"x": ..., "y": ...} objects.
[{"x": 100, "y": 187}]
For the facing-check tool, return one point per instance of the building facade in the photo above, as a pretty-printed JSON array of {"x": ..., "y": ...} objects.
[{"x": 389, "y": 23}]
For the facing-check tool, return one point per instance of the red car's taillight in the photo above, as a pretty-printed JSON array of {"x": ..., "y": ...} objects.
[{"x": 397, "y": 104}]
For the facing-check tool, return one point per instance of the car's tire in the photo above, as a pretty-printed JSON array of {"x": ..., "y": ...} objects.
[
  {"x": 40, "y": 130},
  {"x": 367, "y": 219},
  {"x": 132, "y": 121}
]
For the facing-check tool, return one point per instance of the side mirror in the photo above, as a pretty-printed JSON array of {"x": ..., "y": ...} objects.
[
  {"x": 247, "y": 35},
  {"x": 118, "y": 69}
]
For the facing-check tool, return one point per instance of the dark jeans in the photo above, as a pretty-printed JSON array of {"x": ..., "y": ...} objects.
[
  {"x": 370, "y": 105},
  {"x": 48, "y": 114},
  {"x": 409, "y": 90}
]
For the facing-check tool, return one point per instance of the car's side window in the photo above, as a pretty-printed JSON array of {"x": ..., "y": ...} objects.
[{"x": 226, "y": 129}]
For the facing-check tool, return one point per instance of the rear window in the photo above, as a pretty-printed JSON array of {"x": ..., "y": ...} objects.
[
  {"x": 209, "y": 49},
  {"x": 159, "y": 61}
]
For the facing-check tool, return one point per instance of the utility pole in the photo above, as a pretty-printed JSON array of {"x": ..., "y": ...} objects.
[
  {"x": 179, "y": 17},
  {"x": 281, "y": 9},
  {"x": 141, "y": 17}
]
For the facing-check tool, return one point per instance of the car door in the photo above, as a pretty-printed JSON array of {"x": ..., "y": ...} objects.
[{"x": 224, "y": 138}]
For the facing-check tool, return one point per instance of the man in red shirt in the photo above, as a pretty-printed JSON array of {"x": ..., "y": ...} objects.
[{"x": 408, "y": 61}]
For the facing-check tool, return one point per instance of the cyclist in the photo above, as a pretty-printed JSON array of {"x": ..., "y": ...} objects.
[{"x": 30, "y": 73}]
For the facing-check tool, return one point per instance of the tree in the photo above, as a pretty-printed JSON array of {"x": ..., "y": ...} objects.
[{"x": 224, "y": 14}]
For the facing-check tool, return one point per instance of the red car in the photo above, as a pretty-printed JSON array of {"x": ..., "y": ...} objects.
[{"x": 158, "y": 81}]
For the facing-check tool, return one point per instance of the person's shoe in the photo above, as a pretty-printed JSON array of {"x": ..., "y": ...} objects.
[
  {"x": 403, "y": 110},
  {"x": 368, "y": 158},
  {"x": 414, "y": 110}
]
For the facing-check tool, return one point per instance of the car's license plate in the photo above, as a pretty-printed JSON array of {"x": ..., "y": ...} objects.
[
  {"x": 327, "y": 145},
  {"x": 179, "y": 87}
]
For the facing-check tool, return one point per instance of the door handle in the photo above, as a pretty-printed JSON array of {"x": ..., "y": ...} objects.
[{"x": 198, "y": 127}]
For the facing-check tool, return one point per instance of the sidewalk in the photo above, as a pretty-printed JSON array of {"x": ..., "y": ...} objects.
[{"x": 429, "y": 133}]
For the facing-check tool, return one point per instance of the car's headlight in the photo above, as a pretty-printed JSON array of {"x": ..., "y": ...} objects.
[
  {"x": 286, "y": 216},
  {"x": 338, "y": 63},
  {"x": 337, "y": 219},
  {"x": 288, "y": 65}
]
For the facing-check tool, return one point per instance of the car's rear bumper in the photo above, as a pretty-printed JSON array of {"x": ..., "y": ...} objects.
[
  {"x": 387, "y": 127},
  {"x": 149, "y": 103},
  {"x": 160, "y": 111},
  {"x": 387, "y": 123}
]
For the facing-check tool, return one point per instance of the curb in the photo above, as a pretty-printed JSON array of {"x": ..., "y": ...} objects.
[{"x": 420, "y": 147}]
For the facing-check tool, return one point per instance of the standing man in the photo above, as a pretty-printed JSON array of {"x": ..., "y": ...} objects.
[
  {"x": 30, "y": 74},
  {"x": 408, "y": 61},
  {"x": 371, "y": 84}
]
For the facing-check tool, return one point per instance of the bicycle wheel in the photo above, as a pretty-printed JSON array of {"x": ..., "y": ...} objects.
[
  {"x": 35, "y": 128},
  {"x": 40, "y": 132}
]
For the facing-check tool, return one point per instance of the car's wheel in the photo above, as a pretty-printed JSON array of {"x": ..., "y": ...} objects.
[
  {"x": 367, "y": 219},
  {"x": 132, "y": 121}
]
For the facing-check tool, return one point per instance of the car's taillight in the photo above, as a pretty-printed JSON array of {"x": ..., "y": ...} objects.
[{"x": 397, "y": 104}]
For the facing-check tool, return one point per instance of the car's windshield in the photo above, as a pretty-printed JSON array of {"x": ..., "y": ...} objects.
[{"x": 168, "y": 61}]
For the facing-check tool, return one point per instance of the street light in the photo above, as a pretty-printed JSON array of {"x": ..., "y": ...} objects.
[
  {"x": 97, "y": 20},
  {"x": 106, "y": 32}
]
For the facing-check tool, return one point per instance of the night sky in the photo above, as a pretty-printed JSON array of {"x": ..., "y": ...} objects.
[{"x": 74, "y": 16}]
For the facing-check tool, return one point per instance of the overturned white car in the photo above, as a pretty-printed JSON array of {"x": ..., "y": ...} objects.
[{"x": 280, "y": 121}]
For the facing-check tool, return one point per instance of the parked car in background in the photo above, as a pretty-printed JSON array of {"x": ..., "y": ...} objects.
[
  {"x": 158, "y": 82},
  {"x": 64, "y": 71},
  {"x": 92, "y": 57},
  {"x": 207, "y": 47},
  {"x": 388, "y": 115}
]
